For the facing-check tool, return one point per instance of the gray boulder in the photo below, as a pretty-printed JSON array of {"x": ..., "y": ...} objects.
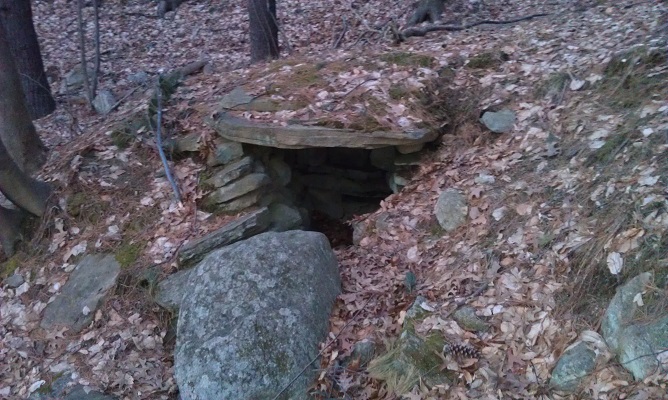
[{"x": 254, "y": 317}]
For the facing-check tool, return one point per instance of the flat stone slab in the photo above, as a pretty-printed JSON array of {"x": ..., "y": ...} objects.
[
  {"x": 75, "y": 306},
  {"x": 243, "y": 228},
  {"x": 302, "y": 137}
]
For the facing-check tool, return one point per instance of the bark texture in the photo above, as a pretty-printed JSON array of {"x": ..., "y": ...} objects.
[
  {"x": 16, "y": 16},
  {"x": 17, "y": 132},
  {"x": 263, "y": 30},
  {"x": 21, "y": 152}
]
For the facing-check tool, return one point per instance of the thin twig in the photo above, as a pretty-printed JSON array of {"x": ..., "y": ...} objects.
[
  {"x": 158, "y": 134},
  {"x": 323, "y": 350},
  {"x": 343, "y": 33}
]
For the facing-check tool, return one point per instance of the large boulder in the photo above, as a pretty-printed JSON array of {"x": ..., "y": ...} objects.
[{"x": 254, "y": 316}]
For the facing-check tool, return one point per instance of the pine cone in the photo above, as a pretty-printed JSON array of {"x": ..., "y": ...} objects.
[{"x": 461, "y": 350}]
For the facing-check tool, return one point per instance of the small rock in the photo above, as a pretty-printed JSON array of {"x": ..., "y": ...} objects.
[
  {"x": 188, "y": 143},
  {"x": 500, "y": 121},
  {"x": 573, "y": 366},
  {"x": 171, "y": 290},
  {"x": 74, "y": 80},
  {"x": 451, "y": 209},
  {"x": 279, "y": 170},
  {"x": 231, "y": 172},
  {"x": 363, "y": 351},
  {"x": 104, "y": 102},
  {"x": 138, "y": 78},
  {"x": 236, "y": 97},
  {"x": 224, "y": 153},
  {"x": 468, "y": 320},
  {"x": 284, "y": 218},
  {"x": 87, "y": 285},
  {"x": 238, "y": 188},
  {"x": 14, "y": 281}
]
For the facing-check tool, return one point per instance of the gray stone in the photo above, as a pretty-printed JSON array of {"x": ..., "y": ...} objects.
[
  {"x": 500, "y": 121},
  {"x": 383, "y": 158},
  {"x": 410, "y": 148},
  {"x": 622, "y": 309},
  {"x": 451, "y": 209},
  {"x": 255, "y": 315},
  {"x": 251, "y": 199},
  {"x": 172, "y": 289},
  {"x": 302, "y": 137},
  {"x": 396, "y": 181},
  {"x": 636, "y": 334},
  {"x": 359, "y": 231},
  {"x": 87, "y": 285},
  {"x": 284, "y": 217},
  {"x": 240, "y": 229},
  {"x": 363, "y": 352},
  {"x": 14, "y": 281},
  {"x": 468, "y": 320},
  {"x": 231, "y": 172},
  {"x": 573, "y": 366},
  {"x": 279, "y": 171},
  {"x": 104, "y": 102},
  {"x": 138, "y": 78},
  {"x": 236, "y": 97},
  {"x": 238, "y": 188},
  {"x": 190, "y": 143},
  {"x": 74, "y": 80},
  {"x": 224, "y": 153},
  {"x": 327, "y": 202},
  {"x": 408, "y": 160}
]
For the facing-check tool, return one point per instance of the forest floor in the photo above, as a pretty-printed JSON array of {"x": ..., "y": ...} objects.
[{"x": 579, "y": 183}]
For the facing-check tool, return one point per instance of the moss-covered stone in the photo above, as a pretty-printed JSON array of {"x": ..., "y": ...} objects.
[{"x": 127, "y": 254}]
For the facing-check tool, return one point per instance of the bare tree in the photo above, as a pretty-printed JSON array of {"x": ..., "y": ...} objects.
[
  {"x": 21, "y": 151},
  {"x": 16, "y": 16},
  {"x": 263, "y": 29}
]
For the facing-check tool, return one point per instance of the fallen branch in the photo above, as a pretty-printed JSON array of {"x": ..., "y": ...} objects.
[
  {"x": 337, "y": 43},
  {"x": 413, "y": 31},
  {"x": 158, "y": 135}
]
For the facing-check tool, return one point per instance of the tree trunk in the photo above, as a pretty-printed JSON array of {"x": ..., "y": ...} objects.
[
  {"x": 10, "y": 229},
  {"x": 263, "y": 29},
  {"x": 16, "y": 16},
  {"x": 17, "y": 132}
]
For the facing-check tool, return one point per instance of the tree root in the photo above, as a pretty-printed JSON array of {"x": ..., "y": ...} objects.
[{"x": 400, "y": 36}]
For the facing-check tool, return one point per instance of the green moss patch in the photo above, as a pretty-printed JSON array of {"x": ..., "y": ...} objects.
[
  {"x": 408, "y": 59},
  {"x": 127, "y": 254}
]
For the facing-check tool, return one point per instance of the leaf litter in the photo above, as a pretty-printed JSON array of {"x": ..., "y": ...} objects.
[{"x": 535, "y": 213}]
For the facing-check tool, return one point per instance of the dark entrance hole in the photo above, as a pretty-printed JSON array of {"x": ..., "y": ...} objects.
[{"x": 329, "y": 185}]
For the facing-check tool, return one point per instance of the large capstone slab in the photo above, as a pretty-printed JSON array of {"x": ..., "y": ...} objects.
[{"x": 254, "y": 316}]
